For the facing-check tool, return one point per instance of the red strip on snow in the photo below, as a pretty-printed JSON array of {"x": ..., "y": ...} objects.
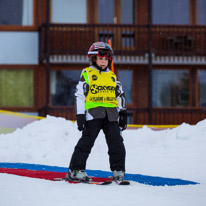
[{"x": 47, "y": 175}]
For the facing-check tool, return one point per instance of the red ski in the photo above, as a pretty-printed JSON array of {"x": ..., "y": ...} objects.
[{"x": 101, "y": 181}]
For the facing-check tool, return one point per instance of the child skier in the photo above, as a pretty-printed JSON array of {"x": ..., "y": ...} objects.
[{"x": 100, "y": 104}]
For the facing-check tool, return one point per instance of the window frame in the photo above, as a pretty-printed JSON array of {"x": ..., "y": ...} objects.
[{"x": 23, "y": 27}]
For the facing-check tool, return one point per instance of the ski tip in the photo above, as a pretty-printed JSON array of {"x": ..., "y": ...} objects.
[
  {"x": 107, "y": 183},
  {"x": 124, "y": 182},
  {"x": 101, "y": 183}
]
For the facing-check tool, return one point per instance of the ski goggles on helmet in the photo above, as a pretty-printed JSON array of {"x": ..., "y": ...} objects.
[{"x": 102, "y": 53}]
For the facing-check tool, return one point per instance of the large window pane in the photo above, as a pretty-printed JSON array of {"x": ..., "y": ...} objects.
[
  {"x": 105, "y": 11},
  {"x": 125, "y": 77},
  {"x": 63, "y": 85},
  {"x": 19, "y": 47},
  {"x": 202, "y": 87},
  {"x": 170, "y": 88},
  {"x": 170, "y": 12},
  {"x": 127, "y": 11},
  {"x": 18, "y": 12},
  {"x": 69, "y": 11},
  {"x": 201, "y": 14},
  {"x": 16, "y": 88}
]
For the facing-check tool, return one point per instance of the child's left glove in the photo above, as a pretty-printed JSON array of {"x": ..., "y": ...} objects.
[
  {"x": 123, "y": 120},
  {"x": 81, "y": 120}
]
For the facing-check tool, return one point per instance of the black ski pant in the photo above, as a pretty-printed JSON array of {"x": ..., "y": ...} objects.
[{"x": 116, "y": 149}]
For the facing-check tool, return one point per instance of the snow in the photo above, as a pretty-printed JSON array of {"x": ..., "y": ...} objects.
[{"x": 173, "y": 153}]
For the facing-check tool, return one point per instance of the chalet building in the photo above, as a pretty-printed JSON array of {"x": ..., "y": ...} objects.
[{"x": 159, "y": 47}]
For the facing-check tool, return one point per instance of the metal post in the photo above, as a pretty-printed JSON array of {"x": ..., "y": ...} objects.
[
  {"x": 47, "y": 51},
  {"x": 150, "y": 60}
]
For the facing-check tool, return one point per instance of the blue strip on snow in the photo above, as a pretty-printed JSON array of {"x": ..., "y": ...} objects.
[
  {"x": 144, "y": 179},
  {"x": 33, "y": 167}
]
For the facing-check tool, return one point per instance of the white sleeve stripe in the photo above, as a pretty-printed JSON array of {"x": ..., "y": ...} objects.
[{"x": 80, "y": 98}]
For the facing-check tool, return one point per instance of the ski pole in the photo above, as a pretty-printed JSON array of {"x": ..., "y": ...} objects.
[{"x": 112, "y": 64}]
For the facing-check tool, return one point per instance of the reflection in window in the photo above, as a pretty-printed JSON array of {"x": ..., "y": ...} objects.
[
  {"x": 63, "y": 85},
  {"x": 16, "y": 88},
  {"x": 201, "y": 8},
  {"x": 71, "y": 11},
  {"x": 18, "y": 12},
  {"x": 202, "y": 87},
  {"x": 170, "y": 12},
  {"x": 125, "y": 77},
  {"x": 170, "y": 88},
  {"x": 106, "y": 11}
]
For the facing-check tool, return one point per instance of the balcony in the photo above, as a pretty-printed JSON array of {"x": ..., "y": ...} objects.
[{"x": 69, "y": 43}]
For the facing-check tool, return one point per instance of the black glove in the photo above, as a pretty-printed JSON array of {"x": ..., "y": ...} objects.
[
  {"x": 81, "y": 120},
  {"x": 123, "y": 120}
]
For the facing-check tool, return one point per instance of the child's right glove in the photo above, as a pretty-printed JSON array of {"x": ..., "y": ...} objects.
[
  {"x": 81, "y": 120},
  {"x": 123, "y": 120}
]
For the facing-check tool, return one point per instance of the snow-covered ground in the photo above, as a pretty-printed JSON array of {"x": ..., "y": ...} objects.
[{"x": 175, "y": 153}]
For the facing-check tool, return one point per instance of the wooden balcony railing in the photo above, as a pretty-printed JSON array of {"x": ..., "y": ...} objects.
[
  {"x": 75, "y": 39},
  {"x": 161, "y": 116},
  {"x": 167, "y": 116}
]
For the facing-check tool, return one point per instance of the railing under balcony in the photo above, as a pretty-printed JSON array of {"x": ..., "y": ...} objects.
[
  {"x": 70, "y": 42},
  {"x": 161, "y": 116}
]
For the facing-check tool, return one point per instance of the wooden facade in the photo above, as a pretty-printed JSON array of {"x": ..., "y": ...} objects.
[{"x": 64, "y": 47}]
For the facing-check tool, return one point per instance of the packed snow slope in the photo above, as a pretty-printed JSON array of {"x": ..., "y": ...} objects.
[{"x": 172, "y": 153}]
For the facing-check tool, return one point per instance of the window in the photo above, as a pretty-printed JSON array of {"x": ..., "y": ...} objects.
[
  {"x": 109, "y": 11},
  {"x": 106, "y": 11},
  {"x": 170, "y": 12},
  {"x": 125, "y": 77},
  {"x": 202, "y": 87},
  {"x": 19, "y": 47},
  {"x": 170, "y": 88},
  {"x": 71, "y": 11},
  {"x": 201, "y": 15},
  {"x": 16, "y": 88},
  {"x": 18, "y": 12},
  {"x": 63, "y": 85},
  {"x": 127, "y": 11}
]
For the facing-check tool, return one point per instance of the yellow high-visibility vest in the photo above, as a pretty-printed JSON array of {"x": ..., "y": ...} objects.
[{"x": 101, "y": 88}]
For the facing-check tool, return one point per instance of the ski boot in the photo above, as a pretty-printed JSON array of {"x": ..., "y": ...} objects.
[
  {"x": 78, "y": 175},
  {"x": 118, "y": 177}
]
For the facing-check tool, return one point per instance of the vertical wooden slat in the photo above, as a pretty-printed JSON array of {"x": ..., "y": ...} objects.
[{"x": 193, "y": 12}]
